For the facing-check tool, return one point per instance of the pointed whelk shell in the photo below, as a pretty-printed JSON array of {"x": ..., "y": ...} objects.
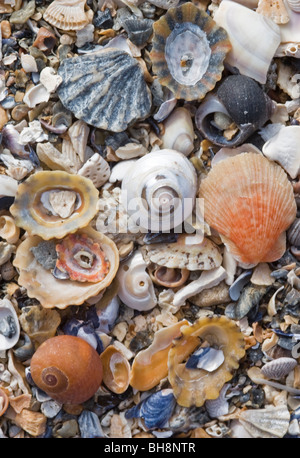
[
  {"x": 244, "y": 202},
  {"x": 245, "y": 29},
  {"x": 188, "y": 51},
  {"x": 67, "y": 14}
]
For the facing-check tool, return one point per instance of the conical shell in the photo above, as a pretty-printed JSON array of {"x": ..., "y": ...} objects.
[
  {"x": 66, "y": 14},
  {"x": 250, "y": 202}
]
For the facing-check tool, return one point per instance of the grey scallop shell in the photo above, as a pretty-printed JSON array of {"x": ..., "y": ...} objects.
[
  {"x": 278, "y": 368},
  {"x": 106, "y": 89},
  {"x": 293, "y": 233}
]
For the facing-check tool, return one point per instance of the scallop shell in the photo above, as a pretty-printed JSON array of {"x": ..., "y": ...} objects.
[
  {"x": 66, "y": 14},
  {"x": 245, "y": 29},
  {"x": 250, "y": 202},
  {"x": 278, "y": 368},
  {"x": 195, "y": 386},
  {"x": 136, "y": 289},
  {"x": 294, "y": 5},
  {"x": 273, "y": 9},
  {"x": 9, "y": 325},
  {"x": 159, "y": 190},
  {"x": 116, "y": 370},
  {"x": 94, "y": 95},
  {"x": 52, "y": 292},
  {"x": 188, "y": 51},
  {"x": 151, "y": 365},
  {"x": 179, "y": 131},
  {"x": 33, "y": 211},
  {"x": 67, "y": 368},
  {"x": 270, "y": 422}
]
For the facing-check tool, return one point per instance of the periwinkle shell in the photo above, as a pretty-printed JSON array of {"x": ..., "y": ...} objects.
[{"x": 106, "y": 89}]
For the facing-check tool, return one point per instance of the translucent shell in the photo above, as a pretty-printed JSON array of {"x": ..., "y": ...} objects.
[
  {"x": 193, "y": 386},
  {"x": 41, "y": 206},
  {"x": 52, "y": 292},
  {"x": 188, "y": 51},
  {"x": 151, "y": 365},
  {"x": 67, "y": 14},
  {"x": 250, "y": 202},
  {"x": 116, "y": 370},
  {"x": 67, "y": 368}
]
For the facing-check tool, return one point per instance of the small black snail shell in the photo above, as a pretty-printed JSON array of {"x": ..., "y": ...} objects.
[{"x": 240, "y": 98}]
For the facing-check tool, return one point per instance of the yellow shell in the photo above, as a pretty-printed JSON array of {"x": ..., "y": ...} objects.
[
  {"x": 195, "y": 386},
  {"x": 8, "y": 229},
  {"x": 250, "y": 202},
  {"x": 51, "y": 292},
  {"x": 67, "y": 14},
  {"x": 116, "y": 370},
  {"x": 33, "y": 212}
]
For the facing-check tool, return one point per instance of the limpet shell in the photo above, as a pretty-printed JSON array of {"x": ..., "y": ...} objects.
[
  {"x": 245, "y": 203},
  {"x": 188, "y": 51},
  {"x": 94, "y": 95},
  {"x": 9, "y": 325},
  {"x": 66, "y": 14},
  {"x": 32, "y": 211},
  {"x": 278, "y": 368},
  {"x": 116, "y": 370},
  {"x": 52, "y": 292},
  {"x": 195, "y": 386}
]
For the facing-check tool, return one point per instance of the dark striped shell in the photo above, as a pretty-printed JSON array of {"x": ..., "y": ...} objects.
[
  {"x": 106, "y": 89},
  {"x": 188, "y": 51}
]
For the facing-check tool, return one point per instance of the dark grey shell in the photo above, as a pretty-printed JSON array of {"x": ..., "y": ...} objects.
[
  {"x": 293, "y": 233},
  {"x": 138, "y": 30},
  {"x": 105, "y": 89}
]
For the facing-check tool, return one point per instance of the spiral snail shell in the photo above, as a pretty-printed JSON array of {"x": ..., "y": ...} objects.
[{"x": 67, "y": 368}]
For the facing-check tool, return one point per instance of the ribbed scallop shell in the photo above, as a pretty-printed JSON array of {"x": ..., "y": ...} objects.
[
  {"x": 195, "y": 386},
  {"x": 66, "y": 14},
  {"x": 106, "y": 89},
  {"x": 250, "y": 202},
  {"x": 278, "y": 368},
  {"x": 188, "y": 51},
  {"x": 270, "y": 422}
]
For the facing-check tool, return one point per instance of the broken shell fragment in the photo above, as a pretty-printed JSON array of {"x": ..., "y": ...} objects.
[
  {"x": 91, "y": 89},
  {"x": 274, "y": 10},
  {"x": 67, "y": 14},
  {"x": 270, "y": 422},
  {"x": 9, "y": 325},
  {"x": 67, "y": 368},
  {"x": 179, "y": 131},
  {"x": 4, "y": 401},
  {"x": 240, "y": 190},
  {"x": 294, "y": 5},
  {"x": 188, "y": 51},
  {"x": 97, "y": 169},
  {"x": 170, "y": 278},
  {"x": 34, "y": 212},
  {"x": 8, "y": 229},
  {"x": 193, "y": 386},
  {"x": 53, "y": 292},
  {"x": 45, "y": 40},
  {"x": 116, "y": 370},
  {"x": 278, "y": 368}
]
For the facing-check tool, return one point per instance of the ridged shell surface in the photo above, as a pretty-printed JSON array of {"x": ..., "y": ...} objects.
[
  {"x": 106, "y": 89},
  {"x": 267, "y": 423},
  {"x": 250, "y": 202}
]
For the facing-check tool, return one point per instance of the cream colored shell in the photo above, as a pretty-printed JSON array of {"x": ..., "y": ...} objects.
[{"x": 67, "y": 14}]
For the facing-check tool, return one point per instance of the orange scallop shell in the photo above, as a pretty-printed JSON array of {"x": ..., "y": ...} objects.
[
  {"x": 67, "y": 368},
  {"x": 250, "y": 202}
]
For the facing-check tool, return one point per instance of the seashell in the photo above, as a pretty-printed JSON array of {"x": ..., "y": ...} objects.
[
  {"x": 116, "y": 370},
  {"x": 86, "y": 95},
  {"x": 50, "y": 79},
  {"x": 218, "y": 407},
  {"x": 179, "y": 131},
  {"x": 28, "y": 63},
  {"x": 8, "y": 186},
  {"x": 270, "y": 422},
  {"x": 6, "y": 250},
  {"x": 89, "y": 425},
  {"x": 159, "y": 190},
  {"x": 244, "y": 28},
  {"x": 139, "y": 30},
  {"x": 67, "y": 161},
  {"x": 67, "y": 368},
  {"x": 207, "y": 358},
  {"x": 96, "y": 169},
  {"x": 287, "y": 80},
  {"x": 11, "y": 140},
  {"x": 294, "y": 5},
  {"x": 135, "y": 286},
  {"x": 290, "y": 50},
  {"x": 262, "y": 204},
  {"x": 293, "y": 233},
  {"x": 243, "y": 101},
  {"x": 278, "y": 368},
  {"x": 239, "y": 283},
  {"x": 38, "y": 323},
  {"x": 290, "y": 32},
  {"x": 274, "y": 10},
  {"x": 33, "y": 211},
  {"x": 155, "y": 410},
  {"x": 66, "y": 14},
  {"x": 151, "y": 365},
  {"x": 24, "y": 349},
  {"x": 8, "y": 230},
  {"x": 78, "y": 134},
  {"x": 170, "y": 278},
  {"x": 36, "y": 95},
  {"x": 195, "y": 386},
  {"x": 9, "y": 325},
  {"x": 187, "y": 253},
  {"x": 34, "y": 423},
  {"x": 45, "y": 40},
  {"x": 288, "y": 138},
  {"x": 188, "y": 51},
  {"x": 4, "y": 401}
]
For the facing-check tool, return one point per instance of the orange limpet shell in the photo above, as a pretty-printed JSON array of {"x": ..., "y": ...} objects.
[
  {"x": 249, "y": 200},
  {"x": 195, "y": 386},
  {"x": 116, "y": 370}
]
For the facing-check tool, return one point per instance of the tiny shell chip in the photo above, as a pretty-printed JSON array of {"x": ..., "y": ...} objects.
[
  {"x": 96, "y": 169},
  {"x": 103, "y": 97},
  {"x": 188, "y": 51},
  {"x": 32, "y": 207}
]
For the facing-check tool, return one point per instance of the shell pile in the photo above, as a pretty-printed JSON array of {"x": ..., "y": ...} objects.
[{"x": 149, "y": 219}]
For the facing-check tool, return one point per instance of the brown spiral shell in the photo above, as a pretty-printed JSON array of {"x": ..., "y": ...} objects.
[{"x": 67, "y": 368}]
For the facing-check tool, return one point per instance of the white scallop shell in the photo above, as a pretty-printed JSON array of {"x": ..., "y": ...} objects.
[
  {"x": 136, "y": 289},
  {"x": 278, "y": 368},
  {"x": 245, "y": 29},
  {"x": 179, "y": 131},
  {"x": 159, "y": 190},
  {"x": 270, "y": 422},
  {"x": 8, "y": 315}
]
